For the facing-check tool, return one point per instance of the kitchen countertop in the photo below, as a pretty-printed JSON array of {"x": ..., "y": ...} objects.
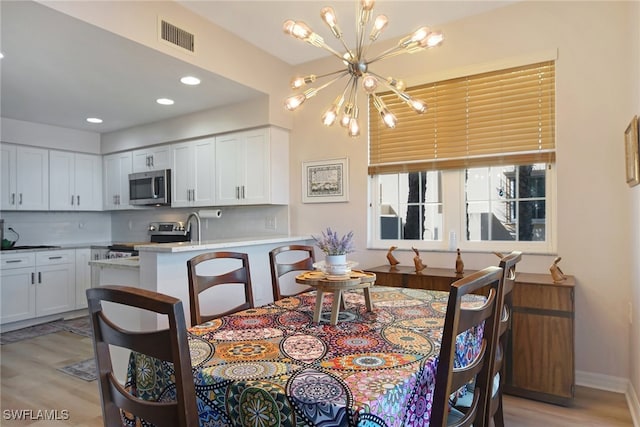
[
  {"x": 132, "y": 262},
  {"x": 217, "y": 244},
  {"x": 37, "y": 248}
]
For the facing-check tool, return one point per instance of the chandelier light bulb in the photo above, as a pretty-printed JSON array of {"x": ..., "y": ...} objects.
[
  {"x": 417, "y": 105},
  {"x": 434, "y": 39},
  {"x": 388, "y": 118},
  {"x": 328, "y": 15},
  {"x": 329, "y": 117},
  {"x": 379, "y": 25},
  {"x": 354, "y": 127},
  {"x": 298, "y": 82},
  {"x": 369, "y": 83},
  {"x": 294, "y": 101},
  {"x": 367, "y": 4}
]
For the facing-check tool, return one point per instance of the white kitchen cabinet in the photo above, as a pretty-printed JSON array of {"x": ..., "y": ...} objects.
[
  {"x": 75, "y": 181},
  {"x": 25, "y": 178},
  {"x": 18, "y": 290},
  {"x": 193, "y": 175},
  {"x": 83, "y": 276},
  {"x": 117, "y": 168},
  {"x": 37, "y": 284},
  {"x": 252, "y": 167},
  {"x": 55, "y": 282},
  {"x": 152, "y": 158}
]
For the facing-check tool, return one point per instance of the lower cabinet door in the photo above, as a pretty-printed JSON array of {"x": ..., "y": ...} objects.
[
  {"x": 17, "y": 300},
  {"x": 542, "y": 357},
  {"x": 56, "y": 287}
]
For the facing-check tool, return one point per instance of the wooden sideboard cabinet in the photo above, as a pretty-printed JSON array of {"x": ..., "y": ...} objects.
[
  {"x": 540, "y": 353},
  {"x": 437, "y": 279},
  {"x": 540, "y": 360}
]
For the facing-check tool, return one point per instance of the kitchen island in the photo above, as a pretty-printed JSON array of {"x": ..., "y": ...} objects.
[{"x": 162, "y": 267}]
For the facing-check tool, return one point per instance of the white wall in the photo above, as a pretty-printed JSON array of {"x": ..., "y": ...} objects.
[
  {"x": 41, "y": 135},
  {"x": 203, "y": 123},
  {"x": 634, "y": 226},
  {"x": 593, "y": 109}
]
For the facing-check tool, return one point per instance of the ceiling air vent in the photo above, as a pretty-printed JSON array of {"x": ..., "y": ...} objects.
[{"x": 176, "y": 36}]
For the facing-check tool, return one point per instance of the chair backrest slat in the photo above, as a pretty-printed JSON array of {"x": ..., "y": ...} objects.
[
  {"x": 169, "y": 344},
  {"x": 279, "y": 267},
  {"x": 199, "y": 283}
]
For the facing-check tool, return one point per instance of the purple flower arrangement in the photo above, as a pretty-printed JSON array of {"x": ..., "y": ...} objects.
[{"x": 331, "y": 244}]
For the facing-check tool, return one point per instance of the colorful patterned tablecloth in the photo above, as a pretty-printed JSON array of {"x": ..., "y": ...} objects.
[{"x": 273, "y": 366}]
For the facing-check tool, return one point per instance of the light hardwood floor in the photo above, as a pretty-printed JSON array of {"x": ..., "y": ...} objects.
[{"x": 30, "y": 380}]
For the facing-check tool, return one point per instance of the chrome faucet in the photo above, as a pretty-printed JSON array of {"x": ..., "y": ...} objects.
[{"x": 197, "y": 217}]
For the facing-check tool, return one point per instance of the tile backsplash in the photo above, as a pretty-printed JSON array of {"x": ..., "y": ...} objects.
[{"x": 58, "y": 228}]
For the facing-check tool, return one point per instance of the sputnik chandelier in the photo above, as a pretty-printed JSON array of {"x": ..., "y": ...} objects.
[{"x": 357, "y": 67}]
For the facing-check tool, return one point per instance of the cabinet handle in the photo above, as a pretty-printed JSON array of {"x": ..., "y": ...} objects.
[
  {"x": 39, "y": 277},
  {"x": 33, "y": 278},
  {"x": 147, "y": 161},
  {"x": 193, "y": 194},
  {"x": 243, "y": 192},
  {"x": 78, "y": 199},
  {"x": 20, "y": 199},
  {"x": 237, "y": 192},
  {"x": 13, "y": 261},
  {"x": 13, "y": 198},
  {"x": 151, "y": 160},
  {"x": 71, "y": 200},
  {"x": 55, "y": 257}
]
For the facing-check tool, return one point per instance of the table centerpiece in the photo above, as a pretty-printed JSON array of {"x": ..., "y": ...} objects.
[{"x": 335, "y": 249}]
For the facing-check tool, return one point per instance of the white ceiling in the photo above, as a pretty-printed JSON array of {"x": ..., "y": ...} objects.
[{"x": 58, "y": 70}]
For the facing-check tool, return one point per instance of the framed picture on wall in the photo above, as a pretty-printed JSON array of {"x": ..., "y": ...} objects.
[
  {"x": 631, "y": 152},
  {"x": 325, "y": 181}
]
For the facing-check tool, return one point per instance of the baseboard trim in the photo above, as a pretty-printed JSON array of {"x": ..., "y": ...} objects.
[
  {"x": 602, "y": 382},
  {"x": 614, "y": 384},
  {"x": 634, "y": 405}
]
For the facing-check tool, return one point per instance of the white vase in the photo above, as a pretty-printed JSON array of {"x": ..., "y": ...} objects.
[{"x": 336, "y": 264}]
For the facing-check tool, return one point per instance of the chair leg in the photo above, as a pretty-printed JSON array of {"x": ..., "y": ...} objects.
[{"x": 498, "y": 417}]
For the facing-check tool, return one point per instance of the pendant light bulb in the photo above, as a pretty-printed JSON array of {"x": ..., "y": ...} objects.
[
  {"x": 419, "y": 106},
  {"x": 379, "y": 25},
  {"x": 354, "y": 127},
  {"x": 298, "y": 82},
  {"x": 388, "y": 118},
  {"x": 369, "y": 83},
  {"x": 328, "y": 15},
  {"x": 329, "y": 117},
  {"x": 294, "y": 101}
]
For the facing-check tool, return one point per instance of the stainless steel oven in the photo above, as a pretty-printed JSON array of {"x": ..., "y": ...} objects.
[{"x": 150, "y": 188}]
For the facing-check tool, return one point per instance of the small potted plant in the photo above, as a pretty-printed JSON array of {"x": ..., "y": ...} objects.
[{"x": 335, "y": 249}]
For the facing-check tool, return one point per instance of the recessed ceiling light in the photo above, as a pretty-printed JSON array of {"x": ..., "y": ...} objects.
[
  {"x": 190, "y": 80},
  {"x": 94, "y": 120},
  {"x": 164, "y": 101},
  {"x": 2, "y": 56}
]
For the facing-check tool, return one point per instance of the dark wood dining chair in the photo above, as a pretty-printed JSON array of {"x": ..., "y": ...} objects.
[
  {"x": 200, "y": 282},
  {"x": 459, "y": 318},
  {"x": 498, "y": 372},
  {"x": 287, "y": 259},
  {"x": 168, "y": 344}
]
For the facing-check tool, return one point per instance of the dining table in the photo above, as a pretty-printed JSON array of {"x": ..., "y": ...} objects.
[{"x": 275, "y": 366}]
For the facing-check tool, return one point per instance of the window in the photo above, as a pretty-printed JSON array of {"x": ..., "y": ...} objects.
[{"x": 475, "y": 172}]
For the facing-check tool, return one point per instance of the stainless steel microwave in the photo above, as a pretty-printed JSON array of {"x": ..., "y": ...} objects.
[{"x": 150, "y": 188}]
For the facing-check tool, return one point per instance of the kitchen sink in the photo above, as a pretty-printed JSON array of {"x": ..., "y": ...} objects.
[{"x": 15, "y": 248}]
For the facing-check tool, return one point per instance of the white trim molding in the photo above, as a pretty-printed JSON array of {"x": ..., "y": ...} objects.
[{"x": 614, "y": 384}]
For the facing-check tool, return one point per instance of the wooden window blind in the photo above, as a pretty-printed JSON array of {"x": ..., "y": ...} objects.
[{"x": 500, "y": 117}]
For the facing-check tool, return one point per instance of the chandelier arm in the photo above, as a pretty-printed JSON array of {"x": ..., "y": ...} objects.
[
  {"x": 396, "y": 50},
  {"x": 330, "y": 50},
  {"x": 330, "y": 82}
]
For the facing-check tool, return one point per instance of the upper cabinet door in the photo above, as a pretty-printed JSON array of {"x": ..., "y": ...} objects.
[
  {"x": 117, "y": 168},
  {"x": 32, "y": 183},
  {"x": 88, "y": 182},
  {"x": 193, "y": 173},
  {"x": 62, "y": 195},
  {"x": 153, "y": 158},
  {"x": 8, "y": 177}
]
